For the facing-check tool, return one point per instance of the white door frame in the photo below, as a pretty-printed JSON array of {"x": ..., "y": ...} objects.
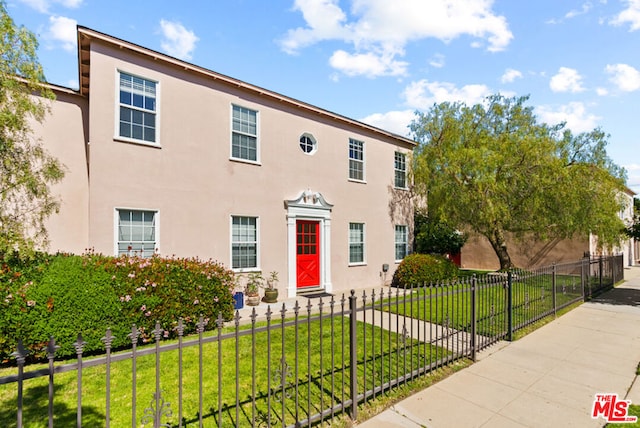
[{"x": 309, "y": 206}]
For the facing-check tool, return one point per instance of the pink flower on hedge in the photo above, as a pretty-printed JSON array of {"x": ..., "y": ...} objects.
[
  {"x": 215, "y": 299},
  {"x": 132, "y": 275},
  {"x": 127, "y": 298},
  {"x": 166, "y": 334},
  {"x": 143, "y": 308},
  {"x": 195, "y": 302},
  {"x": 31, "y": 303},
  {"x": 147, "y": 314}
]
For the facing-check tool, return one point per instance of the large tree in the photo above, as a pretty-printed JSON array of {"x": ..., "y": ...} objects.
[
  {"x": 26, "y": 169},
  {"x": 494, "y": 169}
]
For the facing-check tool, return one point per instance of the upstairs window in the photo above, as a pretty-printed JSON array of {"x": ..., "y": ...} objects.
[
  {"x": 137, "y": 108},
  {"x": 308, "y": 143},
  {"x": 244, "y": 136},
  {"x": 400, "y": 168},
  {"x": 356, "y": 160}
]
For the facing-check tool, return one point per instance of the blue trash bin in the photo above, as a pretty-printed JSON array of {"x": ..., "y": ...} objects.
[{"x": 238, "y": 300}]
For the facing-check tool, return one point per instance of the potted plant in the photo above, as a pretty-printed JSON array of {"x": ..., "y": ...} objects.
[
  {"x": 271, "y": 290},
  {"x": 252, "y": 288}
]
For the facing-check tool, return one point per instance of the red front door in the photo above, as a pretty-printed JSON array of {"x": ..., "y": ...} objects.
[{"x": 307, "y": 253}]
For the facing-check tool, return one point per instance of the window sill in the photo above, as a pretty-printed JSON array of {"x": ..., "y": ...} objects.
[
  {"x": 246, "y": 270},
  {"x": 137, "y": 142},
  {"x": 353, "y": 180},
  {"x": 357, "y": 264},
  {"x": 401, "y": 188},
  {"x": 250, "y": 162}
]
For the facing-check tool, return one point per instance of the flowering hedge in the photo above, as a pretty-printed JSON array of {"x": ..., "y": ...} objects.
[
  {"x": 63, "y": 295},
  {"x": 423, "y": 269}
]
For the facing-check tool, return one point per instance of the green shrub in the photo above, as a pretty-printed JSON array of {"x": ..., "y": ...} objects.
[
  {"x": 423, "y": 269},
  {"x": 64, "y": 295}
]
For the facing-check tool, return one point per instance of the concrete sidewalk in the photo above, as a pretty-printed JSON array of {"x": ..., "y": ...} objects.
[{"x": 546, "y": 379}]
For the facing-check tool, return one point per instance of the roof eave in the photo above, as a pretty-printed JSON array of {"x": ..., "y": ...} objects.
[{"x": 86, "y": 35}]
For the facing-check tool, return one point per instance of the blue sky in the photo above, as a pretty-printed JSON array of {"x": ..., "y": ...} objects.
[{"x": 379, "y": 61}]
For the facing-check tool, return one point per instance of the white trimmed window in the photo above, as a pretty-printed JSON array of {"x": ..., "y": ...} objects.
[
  {"x": 400, "y": 168},
  {"x": 137, "y": 108},
  {"x": 356, "y": 160},
  {"x": 244, "y": 242},
  {"x": 308, "y": 143},
  {"x": 402, "y": 243},
  {"x": 356, "y": 243},
  {"x": 244, "y": 136},
  {"x": 137, "y": 232}
]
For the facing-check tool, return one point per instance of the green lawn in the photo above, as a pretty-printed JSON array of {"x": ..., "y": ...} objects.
[
  {"x": 450, "y": 304},
  {"x": 634, "y": 410},
  {"x": 314, "y": 380}
]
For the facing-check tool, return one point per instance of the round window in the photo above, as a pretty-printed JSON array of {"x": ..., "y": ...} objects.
[{"x": 308, "y": 143}]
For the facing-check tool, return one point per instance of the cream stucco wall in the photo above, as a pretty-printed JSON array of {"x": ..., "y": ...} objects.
[
  {"x": 190, "y": 180},
  {"x": 63, "y": 135}
]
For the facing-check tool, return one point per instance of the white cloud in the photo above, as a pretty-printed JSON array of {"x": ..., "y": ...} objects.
[
  {"x": 633, "y": 176},
  {"x": 177, "y": 40},
  {"x": 393, "y": 121},
  {"x": 368, "y": 64},
  {"x": 586, "y": 7},
  {"x": 510, "y": 75},
  {"x": 624, "y": 76},
  {"x": 602, "y": 91},
  {"x": 437, "y": 61},
  {"x": 574, "y": 114},
  {"x": 383, "y": 28},
  {"x": 423, "y": 94},
  {"x": 566, "y": 80},
  {"x": 43, "y": 6},
  {"x": 629, "y": 15},
  {"x": 63, "y": 29}
]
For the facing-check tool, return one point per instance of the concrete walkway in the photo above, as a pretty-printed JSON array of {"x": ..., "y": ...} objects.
[{"x": 548, "y": 378}]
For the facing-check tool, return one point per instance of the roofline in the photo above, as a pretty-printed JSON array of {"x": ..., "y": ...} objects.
[{"x": 86, "y": 35}]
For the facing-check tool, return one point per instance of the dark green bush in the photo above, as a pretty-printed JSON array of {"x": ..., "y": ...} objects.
[
  {"x": 423, "y": 269},
  {"x": 64, "y": 295}
]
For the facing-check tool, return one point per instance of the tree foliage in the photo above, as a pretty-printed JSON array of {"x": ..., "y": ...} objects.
[
  {"x": 494, "y": 169},
  {"x": 433, "y": 236},
  {"x": 633, "y": 230},
  {"x": 26, "y": 169}
]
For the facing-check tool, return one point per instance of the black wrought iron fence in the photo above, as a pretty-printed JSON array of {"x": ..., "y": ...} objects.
[{"x": 302, "y": 365}]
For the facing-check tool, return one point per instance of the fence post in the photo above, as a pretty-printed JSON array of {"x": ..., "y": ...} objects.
[
  {"x": 554, "y": 289},
  {"x": 600, "y": 269},
  {"x": 510, "y": 306},
  {"x": 474, "y": 344},
  {"x": 20, "y": 355},
  {"x": 353, "y": 354},
  {"x": 583, "y": 281}
]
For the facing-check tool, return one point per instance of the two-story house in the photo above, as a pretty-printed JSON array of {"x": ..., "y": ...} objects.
[{"x": 168, "y": 157}]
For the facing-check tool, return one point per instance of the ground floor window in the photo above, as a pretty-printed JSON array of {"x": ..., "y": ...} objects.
[
  {"x": 137, "y": 232},
  {"x": 401, "y": 242},
  {"x": 356, "y": 243},
  {"x": 244, "y": 242}
]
